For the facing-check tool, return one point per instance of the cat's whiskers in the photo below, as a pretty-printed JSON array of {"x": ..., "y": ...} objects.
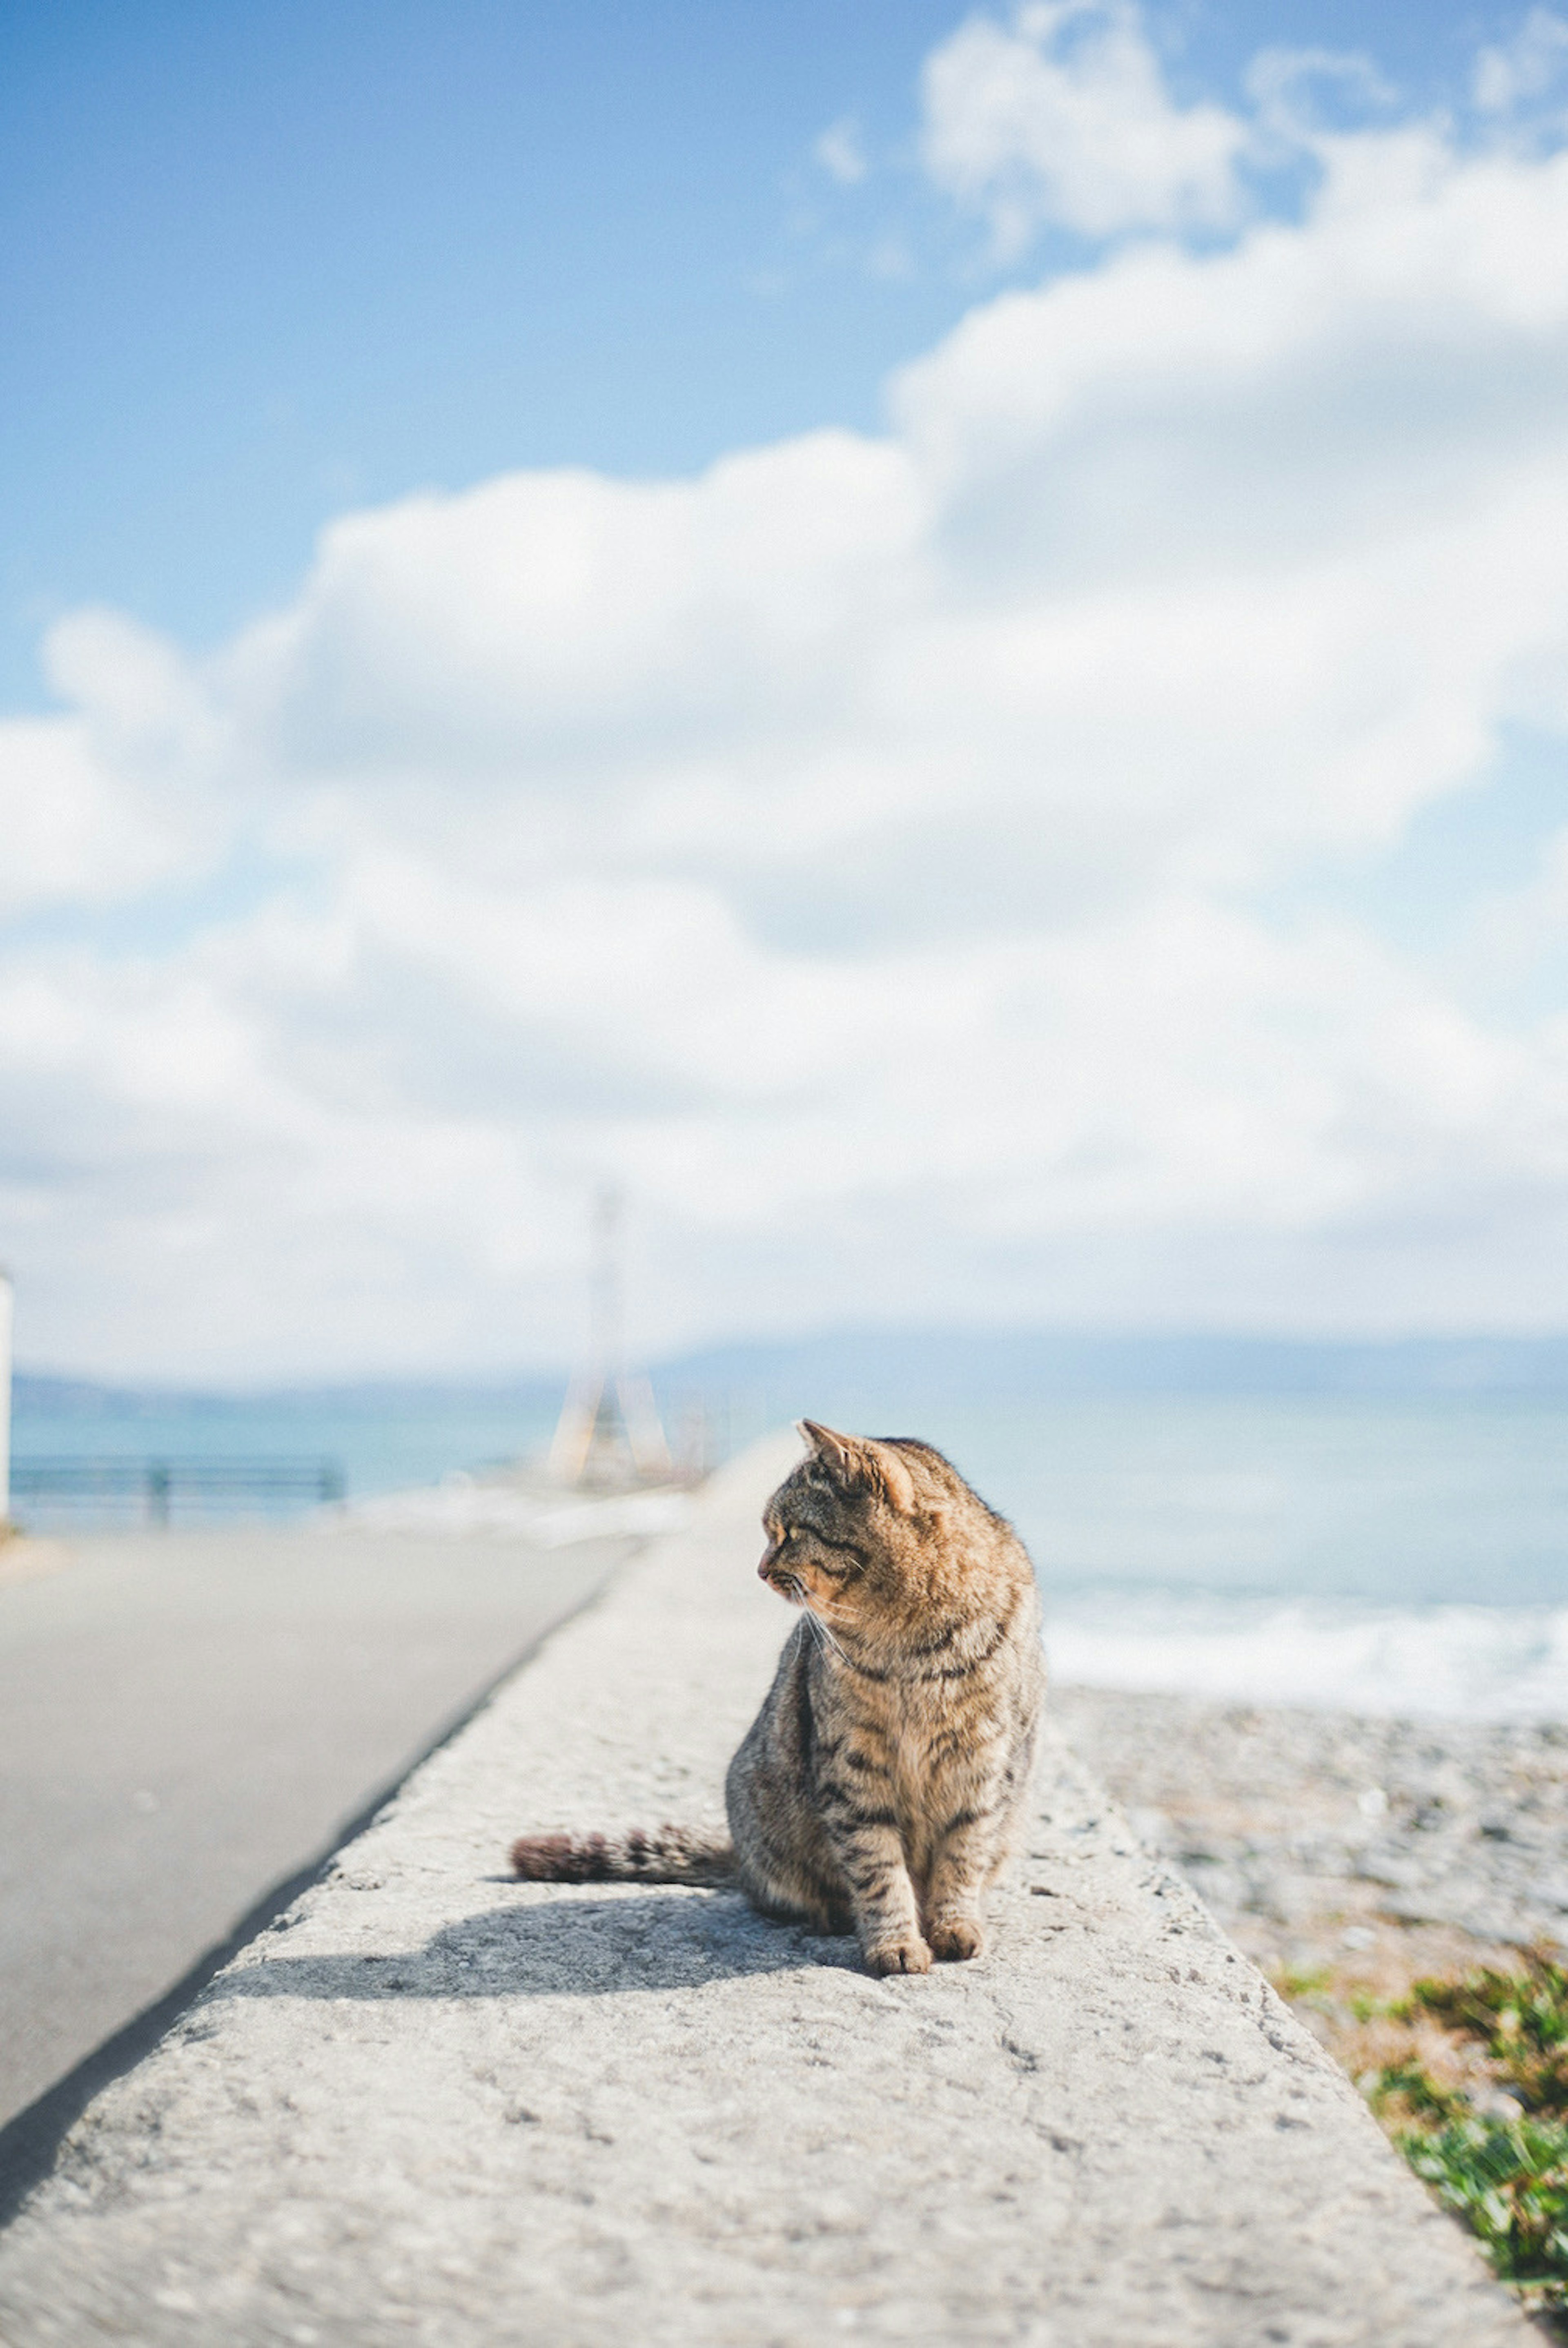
[
  {"x": 824, "y": 1634},
  {"x": 827, "y": 1609}
]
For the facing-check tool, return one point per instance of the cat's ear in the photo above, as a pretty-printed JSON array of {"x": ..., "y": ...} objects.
[
  {"x": 840, "y": 1452},
  {"x": 892, "y": 1476},
  {"x": 857, "y": 1461}
]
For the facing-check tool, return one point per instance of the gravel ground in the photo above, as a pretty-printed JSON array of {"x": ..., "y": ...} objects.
[{"x": 1375, "y": 1850}]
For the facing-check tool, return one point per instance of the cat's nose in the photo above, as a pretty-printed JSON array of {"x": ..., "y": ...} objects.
[{"x": 770, "y": 1559}]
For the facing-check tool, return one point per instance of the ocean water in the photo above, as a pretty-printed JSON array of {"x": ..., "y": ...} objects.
[
  {"x": 377, "y": 1441},
  {"x": 1385, "y": 1552},
  {"x": 1375, "y": 1552}
]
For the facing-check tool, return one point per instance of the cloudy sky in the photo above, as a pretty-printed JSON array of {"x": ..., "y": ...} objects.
[{"x": 940, "y": 642}]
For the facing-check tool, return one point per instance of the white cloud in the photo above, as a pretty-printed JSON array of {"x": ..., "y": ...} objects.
[
  {"x": 96, "y": 807},
  {"x": 1530, "y": 66},
  {"x": 866, "y": 848},
  {"x": 840, "y": 151},
  {"x": 1063, "y": 116}
]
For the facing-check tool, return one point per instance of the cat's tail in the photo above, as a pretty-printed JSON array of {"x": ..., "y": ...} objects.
[{"x": 667, "y": 1854}]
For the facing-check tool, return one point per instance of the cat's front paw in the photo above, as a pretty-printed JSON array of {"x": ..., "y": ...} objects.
[
  {"x": 954, "y": 1938},
  {"x": 909, "y": 1955}
]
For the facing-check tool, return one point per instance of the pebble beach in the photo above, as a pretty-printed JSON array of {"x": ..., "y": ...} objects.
[
  {"x": 1349, "y": 1856},
  {"x": 1303, "y": 1830}
]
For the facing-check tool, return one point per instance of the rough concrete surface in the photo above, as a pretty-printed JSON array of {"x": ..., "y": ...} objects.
[
  {"x": 186, "y": 1718},
  {"x": 434, "y": 2105}
]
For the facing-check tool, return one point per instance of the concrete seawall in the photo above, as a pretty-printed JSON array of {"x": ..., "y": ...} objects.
[{"x": 434, "y": 2105}]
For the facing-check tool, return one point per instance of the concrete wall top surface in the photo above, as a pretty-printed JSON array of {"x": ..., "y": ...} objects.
[{"x": 432, "y": 2105}]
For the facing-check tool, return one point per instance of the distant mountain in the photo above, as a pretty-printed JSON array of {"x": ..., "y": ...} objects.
[
  {"x": 857, "y": 1373},
  {"x": 849, "y": 1369},
  {"x": 40, "y": 1395}
]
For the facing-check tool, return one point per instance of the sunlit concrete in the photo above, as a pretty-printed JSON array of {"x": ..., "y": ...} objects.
[
  {"x": 186, "y": 1717},
  {"x": 437, "y": 2106}
]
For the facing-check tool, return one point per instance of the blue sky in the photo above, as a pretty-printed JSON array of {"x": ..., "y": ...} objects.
[
  {"x": 262, "y": 264},
  {"x": 937, "y": 639}
]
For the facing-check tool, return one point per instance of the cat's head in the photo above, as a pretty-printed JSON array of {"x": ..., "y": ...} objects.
[{"x": 856, "y": 1530}]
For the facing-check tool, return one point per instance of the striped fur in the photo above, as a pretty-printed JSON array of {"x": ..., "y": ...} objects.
[
  {"x": 880, "y": 1785},
  {"x": 668, "y": 1855}
]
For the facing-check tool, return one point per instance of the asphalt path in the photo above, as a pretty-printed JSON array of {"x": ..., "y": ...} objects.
[{"x": 188, "y": 1719}]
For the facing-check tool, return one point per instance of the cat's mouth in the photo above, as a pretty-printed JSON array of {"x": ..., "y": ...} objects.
[{"x": 777, "y": 1575}]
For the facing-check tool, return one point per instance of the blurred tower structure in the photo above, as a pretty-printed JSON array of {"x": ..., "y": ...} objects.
[{"x": 609, "y": 1437}]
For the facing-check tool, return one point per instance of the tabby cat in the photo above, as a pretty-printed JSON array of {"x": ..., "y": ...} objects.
[{"x": 879, "y": 1787}]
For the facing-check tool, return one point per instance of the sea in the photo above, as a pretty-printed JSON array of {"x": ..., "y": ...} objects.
[
  {"x": 1371, "y": 1553},
  {"x": 1388, "y": 1552}
]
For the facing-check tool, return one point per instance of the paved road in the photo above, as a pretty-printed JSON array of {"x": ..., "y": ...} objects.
[{"x": 187, "y": 1718}]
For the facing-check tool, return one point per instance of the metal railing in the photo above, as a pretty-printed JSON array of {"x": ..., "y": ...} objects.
[{"x": 160, "y": 1485}]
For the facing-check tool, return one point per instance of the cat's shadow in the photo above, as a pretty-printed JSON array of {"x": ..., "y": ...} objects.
[{"x": 562, "y": 1946}]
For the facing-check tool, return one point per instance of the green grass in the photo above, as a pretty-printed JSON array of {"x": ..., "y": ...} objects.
[
  {"x": 1411, "y": 2090},
  {"x": 1507, "y": 2176},
  {"x": 1522, "y": 2019},
  {"x": 1510, "y": 2180},
  {"x": 1302, "y": 1988}
]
